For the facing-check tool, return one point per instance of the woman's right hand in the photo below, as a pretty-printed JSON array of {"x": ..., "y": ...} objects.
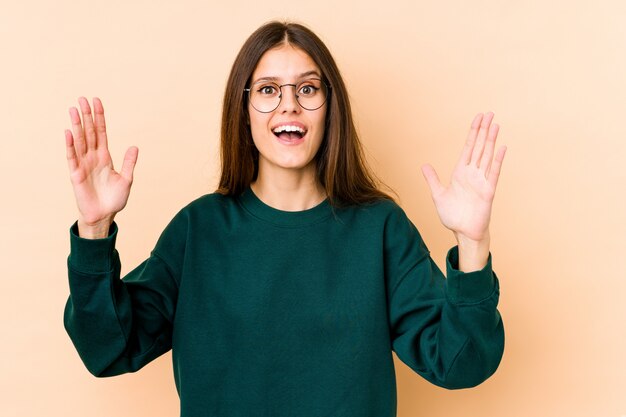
[{"x": 100, "y": 191}]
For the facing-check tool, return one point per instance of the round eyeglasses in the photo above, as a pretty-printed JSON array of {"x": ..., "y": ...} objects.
[{"x": 265, "y": 96}]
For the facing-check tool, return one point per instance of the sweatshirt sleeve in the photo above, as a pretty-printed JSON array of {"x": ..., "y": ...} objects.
[
  {"x": 447, "y": 330},
  {"x": 117, "y": 325}
]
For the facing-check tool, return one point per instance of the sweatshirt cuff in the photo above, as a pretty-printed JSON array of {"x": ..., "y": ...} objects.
[
  {"x": 92, "y": 255},
  {"x": 468, "y": 287}
]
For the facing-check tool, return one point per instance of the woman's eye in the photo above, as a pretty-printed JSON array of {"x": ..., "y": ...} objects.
[
  {"x": 308, "y": 90},
  {"x": 267, "y": 89}
]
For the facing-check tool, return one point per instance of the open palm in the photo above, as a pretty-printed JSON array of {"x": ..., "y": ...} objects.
[
  {"x": 464, "y": 206},
  {"x": 100, "y": 191}
]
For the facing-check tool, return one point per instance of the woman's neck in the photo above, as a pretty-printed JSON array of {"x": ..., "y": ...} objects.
[{"x": 289, "y": 191}]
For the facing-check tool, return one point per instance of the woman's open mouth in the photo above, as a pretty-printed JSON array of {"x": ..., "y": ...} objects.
[{"x": 290, "y": 134}]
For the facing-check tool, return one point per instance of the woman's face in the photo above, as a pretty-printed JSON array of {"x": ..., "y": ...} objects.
[{"x": 290, "y": 136}]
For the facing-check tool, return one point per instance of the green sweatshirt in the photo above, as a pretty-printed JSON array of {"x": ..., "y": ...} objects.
[{"x": 274, "y": 313}]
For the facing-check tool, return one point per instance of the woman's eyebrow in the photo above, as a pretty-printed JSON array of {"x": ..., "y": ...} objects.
[{"x": 276, "y": 79}]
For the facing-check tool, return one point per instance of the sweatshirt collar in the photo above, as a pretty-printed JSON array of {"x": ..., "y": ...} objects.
[{"x": 259, "y": 209}]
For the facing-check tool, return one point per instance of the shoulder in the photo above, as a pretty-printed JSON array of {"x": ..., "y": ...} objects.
[
  {"x": 379, "y": 210},
  {"x": 394, "y": 222},
  {"x": 383, "y": 218},
  {"x": 206, "y": 202},
  {"x": 207, "y": 206},
  {"x": 205, "y": 209}
]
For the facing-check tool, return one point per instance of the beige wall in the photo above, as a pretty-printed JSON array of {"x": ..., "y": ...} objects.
[{"x": 553, "y": 72}]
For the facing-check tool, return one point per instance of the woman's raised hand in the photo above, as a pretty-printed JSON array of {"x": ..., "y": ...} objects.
[
  {"x": 100, "y": 191},
  {"x": 464, "y": 206}
]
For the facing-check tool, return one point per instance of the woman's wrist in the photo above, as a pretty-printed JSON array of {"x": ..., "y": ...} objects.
[
  {"x": 473, "y": 254},
  {"x": 98, "y": 230}
]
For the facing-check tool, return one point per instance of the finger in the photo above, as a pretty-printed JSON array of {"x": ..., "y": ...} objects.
[
  {"x": 128, "y": 166},
  {"x": 466, "y": 154},
  {"x": 100, "y": 124},
  {"x": 494, "y": 172},
  {"x": 485, "y": 162},
  {"x": 78, "y": 132},
  {"x": 70, "y": 152},
  {"x": 90, "y": 133},
  {"x": 432, "y": 179},
  {"x": 480, "y": 140}
]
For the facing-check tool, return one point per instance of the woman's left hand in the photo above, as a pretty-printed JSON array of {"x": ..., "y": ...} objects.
[{"x": 464, "y": 206}]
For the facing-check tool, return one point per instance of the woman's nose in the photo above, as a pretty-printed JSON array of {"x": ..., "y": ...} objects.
[{"x": 288, "y": 101}]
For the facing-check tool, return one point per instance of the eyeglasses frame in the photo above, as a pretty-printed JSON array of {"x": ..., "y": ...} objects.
[{"x": 295, "y": 86}]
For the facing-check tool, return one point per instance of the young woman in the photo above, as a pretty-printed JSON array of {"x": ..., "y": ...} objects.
[{"x": 285, "y": 291}]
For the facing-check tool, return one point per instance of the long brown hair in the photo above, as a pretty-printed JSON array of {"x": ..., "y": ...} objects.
[{"x": 341, "y": 165}]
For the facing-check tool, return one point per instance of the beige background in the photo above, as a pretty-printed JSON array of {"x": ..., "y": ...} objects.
[{"x": 418, "y": 71}]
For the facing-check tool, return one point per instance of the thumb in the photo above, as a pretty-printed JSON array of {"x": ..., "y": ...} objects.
[
  {"x": 432, "y": 179},
  {"x": 128, "y": 166}
]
